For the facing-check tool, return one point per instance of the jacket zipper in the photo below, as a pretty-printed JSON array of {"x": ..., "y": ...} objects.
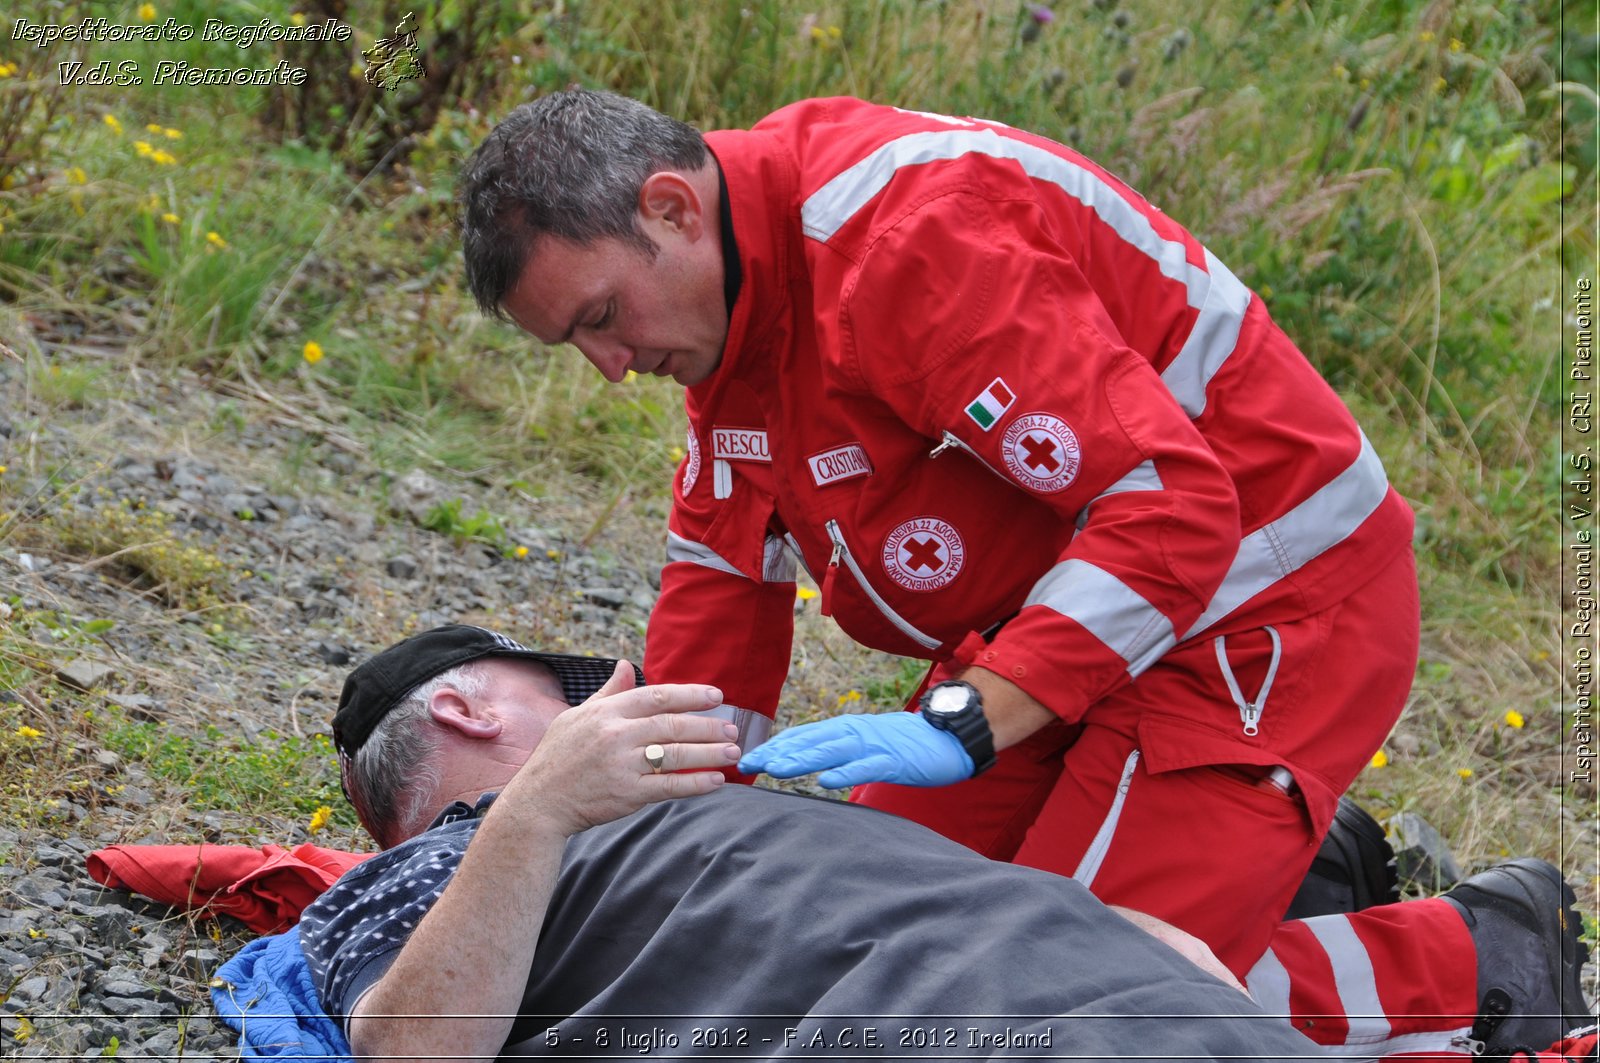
[
  {"x": 950, "y": 439},
  {"x": 841, "y": 552}
]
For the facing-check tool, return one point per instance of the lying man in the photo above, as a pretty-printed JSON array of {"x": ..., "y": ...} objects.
[
  {"x": 616, "y": 896},
  {"x": 619, "y": 897}
]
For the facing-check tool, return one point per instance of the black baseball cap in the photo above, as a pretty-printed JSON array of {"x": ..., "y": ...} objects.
[{"x": 382, "y": 682}]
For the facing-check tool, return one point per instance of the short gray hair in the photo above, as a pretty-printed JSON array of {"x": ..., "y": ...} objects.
[
  {"x": 570, "y": 165},
  {"x": 395, "y": 772}
]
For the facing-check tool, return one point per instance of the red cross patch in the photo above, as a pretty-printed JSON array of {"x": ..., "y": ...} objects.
[
  {"x": 923, "y": 554},
  {"x": 1042, "y": 452}
]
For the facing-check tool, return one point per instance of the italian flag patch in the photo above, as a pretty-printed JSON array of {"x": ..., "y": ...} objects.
[{"x": 995, "y": 400}]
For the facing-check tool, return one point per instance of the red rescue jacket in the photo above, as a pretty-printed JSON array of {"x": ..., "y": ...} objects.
[{"x": 1003, "y": 410}]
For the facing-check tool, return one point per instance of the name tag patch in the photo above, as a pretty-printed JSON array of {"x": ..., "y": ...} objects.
[
  {"x": 740, "y": 444},
  {"x": 840, "y": 463}
]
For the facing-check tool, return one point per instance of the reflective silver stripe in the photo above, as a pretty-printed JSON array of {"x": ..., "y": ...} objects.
[
  {"x": 1109, "y": 609},
  {"x": 1321, "y": 522},
  {"x": 1089, "y": 867},
  {"x": 1446, "y": 1042},
  {"x": 1143, "y": 478},
  {"x": 754, "y": 728},
  {"x": 1268, "y": 983},
  {"x": 827, "y": 209},
  {"x": 1352, "y": 977},
  {"x": 1211, "y": 340},
  {"x": 681, "y": 549},
  {"x": 777, "y": 563}
]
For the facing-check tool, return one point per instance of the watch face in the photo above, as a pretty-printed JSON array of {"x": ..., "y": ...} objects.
[{"x": 947, "y": 699}]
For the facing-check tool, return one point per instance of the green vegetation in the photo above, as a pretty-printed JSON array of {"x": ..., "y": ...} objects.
[{"x": 1401, "y": 181}]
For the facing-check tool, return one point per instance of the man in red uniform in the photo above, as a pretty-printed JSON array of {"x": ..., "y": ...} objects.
[{"x": 1016, "y": 421}]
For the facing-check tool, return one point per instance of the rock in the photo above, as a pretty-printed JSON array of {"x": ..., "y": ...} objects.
[
  {"x": 51, "y": 856},
  {"x": 331, "y": 652},
  {"x": 1422, "y": 858},
  {"x": 85, "y": 674},
  {"x": 139, "y": 706},
  {"x": 610, "y": 597},
  {"x": 401, "y": 566},
  {"x": 120, "y": 987},
  {"x": 113, "y": 926},
  {"x": 108, "y": 759},
  {"x": 415, "y": 495},
  {"x": 30, "y": 989}
]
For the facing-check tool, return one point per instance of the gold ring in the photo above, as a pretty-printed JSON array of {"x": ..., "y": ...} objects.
[{"x": 655, "y": 755}]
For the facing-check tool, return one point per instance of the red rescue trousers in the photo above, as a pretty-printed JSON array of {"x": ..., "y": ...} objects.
[{"x": 1159, "y": 800}]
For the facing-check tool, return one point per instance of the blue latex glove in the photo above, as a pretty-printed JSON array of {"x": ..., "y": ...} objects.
[{"x": 898, "y": 747}]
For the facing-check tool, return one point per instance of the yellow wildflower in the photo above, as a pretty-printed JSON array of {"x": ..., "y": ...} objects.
[
  {"x": 629, "y": 377},
  {"x": 521, "y": 551},
  {"x": 143, "y": 148},
  {"x": 676, "y": 454},
  {"x": 835, "y": 32},
  {"x": 312, "y": 352},
  {"x": 172, "y": 134},
  {"x": 1465, "y": 773},
  {"x": 7, "y": 69},
  {"x": 111, "y": 121},
  {"x": 153, "y": 128},
  {"x": 849, "y": 696},
  {"x": 1426, "y": 36},
  {"x": 1438, "y": 85},
  {"x": 3, "y": 470},
  {"x": 147, "y": 12},
  {"x": 76, "y": 175},
  {"x": 28, "y": 732},
  {"x": 553, "y": 554},
  {"x": 1456, "y": 44},
  {"x": 1380, "y": 759},
  {"x": 320, "y": 818},
  {"x": 163, "y": 158},
  {"x": 170, "y": 218},
  {"x": 805, "y": 594},
  {"x": 214, "y": 240},
  {"x": 1514, "y": 719},
  {"x": 297, "y": 19},
  {"x": 1340, "y": 71}
]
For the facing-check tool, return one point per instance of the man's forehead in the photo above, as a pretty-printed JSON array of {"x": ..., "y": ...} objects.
[
  {"x": 515, "y": 668},
  {"x": 556, "y": 283}
]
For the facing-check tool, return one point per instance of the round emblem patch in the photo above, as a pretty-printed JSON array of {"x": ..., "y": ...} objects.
[
  {"x": 691, "y": 471},
  {"x": 1041, "y": 451},
  {"x": 923, "y": 554}
]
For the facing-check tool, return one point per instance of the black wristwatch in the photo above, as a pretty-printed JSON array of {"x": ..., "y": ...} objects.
[{"x": 957, "y": 707}]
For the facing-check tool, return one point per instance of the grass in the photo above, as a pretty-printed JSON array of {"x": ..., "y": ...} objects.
[{"x": 1389, "y": 174}]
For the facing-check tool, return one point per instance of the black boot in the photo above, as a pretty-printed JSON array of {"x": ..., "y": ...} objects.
[
  {"x": 1525, "y": 931},
  {"x": 1353, "y": 870}
]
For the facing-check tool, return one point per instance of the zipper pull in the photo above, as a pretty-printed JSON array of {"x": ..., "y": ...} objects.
[
  {"x": 945, "y": 444},
  {"x": 826, "y": 607},
  {"x": 1250, "y": 716}
]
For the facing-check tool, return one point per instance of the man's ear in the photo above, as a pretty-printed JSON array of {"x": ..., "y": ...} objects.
[
  {"x": 465, "y": 716},
  {"x": 668, "y": 199}
]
